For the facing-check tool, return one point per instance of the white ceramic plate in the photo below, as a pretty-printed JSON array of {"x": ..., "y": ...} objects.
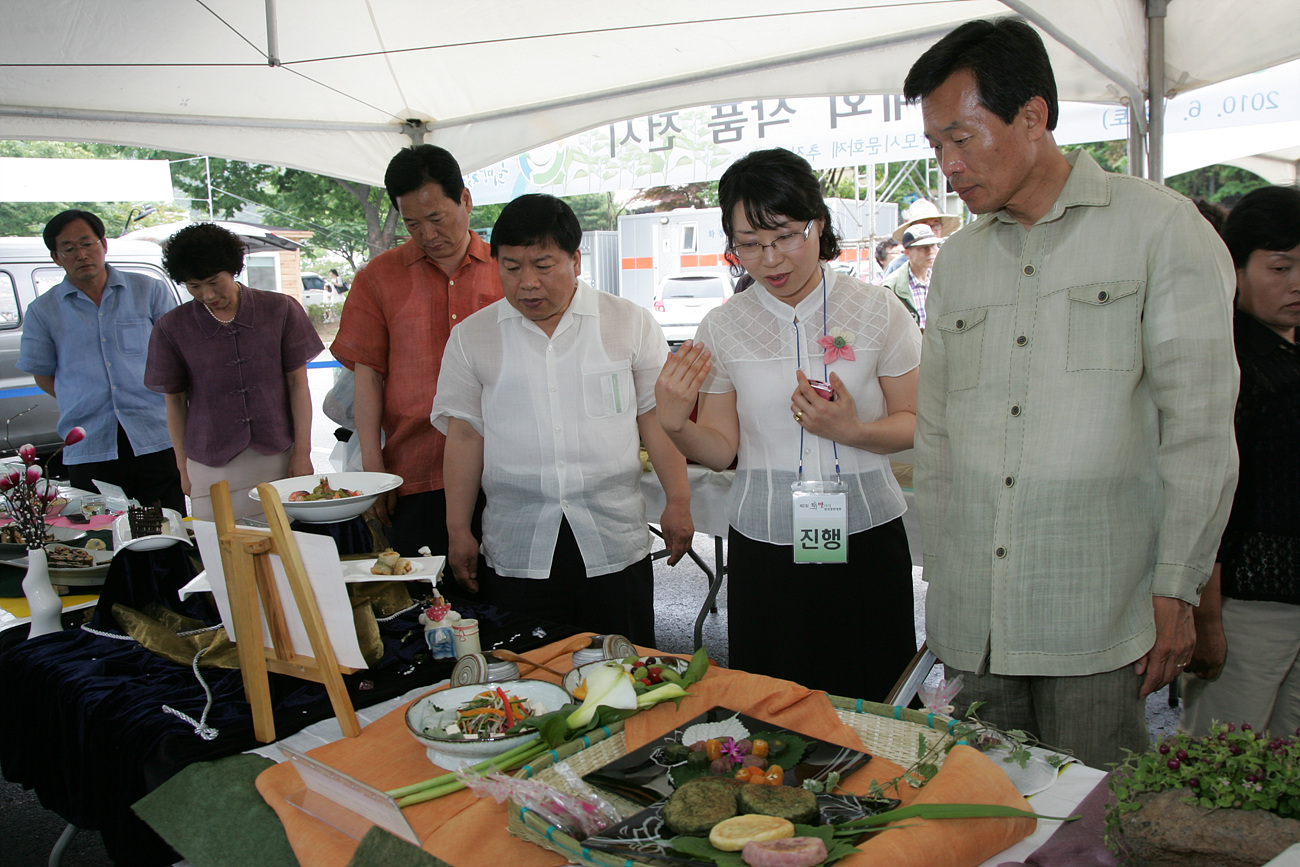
[
  {"x": 371, "y": 485},
  {"x": 362, "y": 568},
  {"x": 439, "y": 708},
  {"x": 175, "y": 532},
  {"x": 82, "y": 576}
]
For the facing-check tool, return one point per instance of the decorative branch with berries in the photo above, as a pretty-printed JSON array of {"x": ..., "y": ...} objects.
[{"x": 28, "y": 493}]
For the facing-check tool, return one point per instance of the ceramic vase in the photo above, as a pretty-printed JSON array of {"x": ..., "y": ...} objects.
[{"x": 46, "y": 607}]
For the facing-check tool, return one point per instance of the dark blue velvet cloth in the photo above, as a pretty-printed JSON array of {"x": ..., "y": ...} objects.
[{"x": 83, "y": 723}]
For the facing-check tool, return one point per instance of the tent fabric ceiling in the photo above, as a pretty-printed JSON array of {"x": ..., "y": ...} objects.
[{"x": 494, "y": 78}]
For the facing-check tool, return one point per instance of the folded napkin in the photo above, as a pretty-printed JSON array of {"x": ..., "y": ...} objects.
[
  {"x": 967, "y": 777},
  {"x": 379, "y": 848},
  {"x": 235, "y": 830},
  {"x": 95, "y": 522},
  {"x": 1081, "y": 843}
]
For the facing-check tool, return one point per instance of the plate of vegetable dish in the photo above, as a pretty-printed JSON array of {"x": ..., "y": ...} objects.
[
  {"x": 464, "y": 725},
  {"x": 708, "y": 785}
]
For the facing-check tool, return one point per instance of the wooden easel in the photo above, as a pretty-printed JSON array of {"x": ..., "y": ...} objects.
[{"x": 250, "y": 584}]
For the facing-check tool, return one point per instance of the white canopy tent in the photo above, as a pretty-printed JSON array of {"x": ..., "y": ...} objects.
[{"x": 337, "y": 86}]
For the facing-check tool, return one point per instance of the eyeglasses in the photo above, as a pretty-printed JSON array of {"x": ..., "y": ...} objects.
[
  {"x": 784, "y": 244},
  {"x": 71, "y": 250}
]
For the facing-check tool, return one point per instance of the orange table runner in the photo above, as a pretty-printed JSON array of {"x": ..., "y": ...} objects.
[{"x": 470, "y": 832}]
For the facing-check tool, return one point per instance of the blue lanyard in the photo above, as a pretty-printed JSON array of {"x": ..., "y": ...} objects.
[{"x": 798, "y": 365}]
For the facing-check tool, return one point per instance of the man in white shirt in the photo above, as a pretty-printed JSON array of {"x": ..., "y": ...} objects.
[{"x": 542, "y": 396}]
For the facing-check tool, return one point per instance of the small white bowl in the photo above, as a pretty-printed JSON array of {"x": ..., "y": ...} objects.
[
  {"x": 371, "y": 485},
  {"x": 435, "y": 710},
  {"x": 575, "y": 676}
]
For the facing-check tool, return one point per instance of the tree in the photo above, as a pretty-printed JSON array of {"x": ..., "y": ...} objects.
[
  {"x": 597, "y": 211},
  {"x": 1222, "y": 185},
  {"x": 701, "y": 195}
]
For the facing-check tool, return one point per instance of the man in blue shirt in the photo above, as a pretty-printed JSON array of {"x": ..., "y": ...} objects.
[{"x": 85, "y": 341}]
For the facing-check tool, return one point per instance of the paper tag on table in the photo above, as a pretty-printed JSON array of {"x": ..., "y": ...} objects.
[{"x": 114, "y": 497}]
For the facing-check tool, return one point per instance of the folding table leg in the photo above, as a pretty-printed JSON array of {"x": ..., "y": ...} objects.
[{"x": 61, "y": 844}]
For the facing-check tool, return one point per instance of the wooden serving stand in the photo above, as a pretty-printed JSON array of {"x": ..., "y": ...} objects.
[{"x": 250, "y": 583}]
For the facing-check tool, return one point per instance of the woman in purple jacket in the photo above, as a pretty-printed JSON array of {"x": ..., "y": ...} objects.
[{"x": 233, "y": 366}]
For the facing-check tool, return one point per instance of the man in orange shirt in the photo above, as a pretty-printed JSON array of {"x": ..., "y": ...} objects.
[{"x": 395, "y": 324}]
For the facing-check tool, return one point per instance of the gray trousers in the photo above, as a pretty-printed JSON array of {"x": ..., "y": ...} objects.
[{"x": 1095, "y": 716}]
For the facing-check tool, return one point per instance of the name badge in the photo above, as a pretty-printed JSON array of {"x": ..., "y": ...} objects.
[{"x": 821, "y": 518}]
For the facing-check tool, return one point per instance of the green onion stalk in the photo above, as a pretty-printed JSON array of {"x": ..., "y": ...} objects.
[
  {"x": 610, "y": 698},
  {"x": 938, "y": 811}
]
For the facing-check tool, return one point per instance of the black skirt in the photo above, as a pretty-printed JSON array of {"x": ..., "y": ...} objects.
[{"x": 844, "y": 628}]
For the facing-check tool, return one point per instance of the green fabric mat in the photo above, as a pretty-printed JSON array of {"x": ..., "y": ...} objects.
[
  {"x": 379, "y": 848},
  {"x": 213, "y": 815}
]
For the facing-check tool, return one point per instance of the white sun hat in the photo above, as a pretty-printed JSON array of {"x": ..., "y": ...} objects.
[{"x": 924, "y": 209}]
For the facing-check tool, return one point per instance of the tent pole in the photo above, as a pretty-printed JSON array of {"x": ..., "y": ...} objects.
[
  {"x": 272, "y": 36},
  {"x": 1026, "y": 10},
  {"x": 1137, "y": 158},
  {"x": 1156, "y": 12}
]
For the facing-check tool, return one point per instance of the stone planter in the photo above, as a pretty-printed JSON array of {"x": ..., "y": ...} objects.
[{"x": 1166, "y": 832}]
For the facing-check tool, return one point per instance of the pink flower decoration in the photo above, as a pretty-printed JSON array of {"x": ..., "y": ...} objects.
[
  {"x": 76, "y": 435},
  {"x": 838, "y": 344},
  {"x": 27, "y": 452},
  {"x": 13, "y": 478},
  {"x": 6, "y": 483},
  {"x": 731, "y": 749},
  {"x": 34, "y": 473}
]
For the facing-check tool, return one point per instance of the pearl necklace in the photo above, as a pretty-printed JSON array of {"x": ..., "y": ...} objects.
[{"x": 238, "y": 292}]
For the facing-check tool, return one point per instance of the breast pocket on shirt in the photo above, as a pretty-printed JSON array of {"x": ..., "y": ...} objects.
[
  {"x": 608, "y": 390},
  {"x": 132, "y": 336},
  {"x": 1103, "y": 329},
  {"x": 963, "y": 343}
]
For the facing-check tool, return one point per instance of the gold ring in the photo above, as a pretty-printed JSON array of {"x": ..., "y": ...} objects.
[{"x": 798, "y": 416}]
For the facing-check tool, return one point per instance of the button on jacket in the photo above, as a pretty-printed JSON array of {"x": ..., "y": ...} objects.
[
  {"x": 233, "y": 374},
  {"x": 1074, "y": 443}
]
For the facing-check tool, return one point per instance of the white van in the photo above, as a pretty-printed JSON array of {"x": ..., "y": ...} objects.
[{"x": 27, "y": 414}]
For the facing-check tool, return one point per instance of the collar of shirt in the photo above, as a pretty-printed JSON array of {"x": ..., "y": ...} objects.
[
  {"x": 1255, "y": 337},
  {"x": 244, "y": 316},
  {"x": 114, "y": 281},
  {"x": 583, "y": 303},
  {"x": 804, "y": 310},
  {"x": 1087, "y": 185},
  {"x": 412, "y": 252}
]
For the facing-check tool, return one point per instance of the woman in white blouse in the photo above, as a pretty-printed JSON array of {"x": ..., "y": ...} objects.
[{"x": 845, "y": 627}]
